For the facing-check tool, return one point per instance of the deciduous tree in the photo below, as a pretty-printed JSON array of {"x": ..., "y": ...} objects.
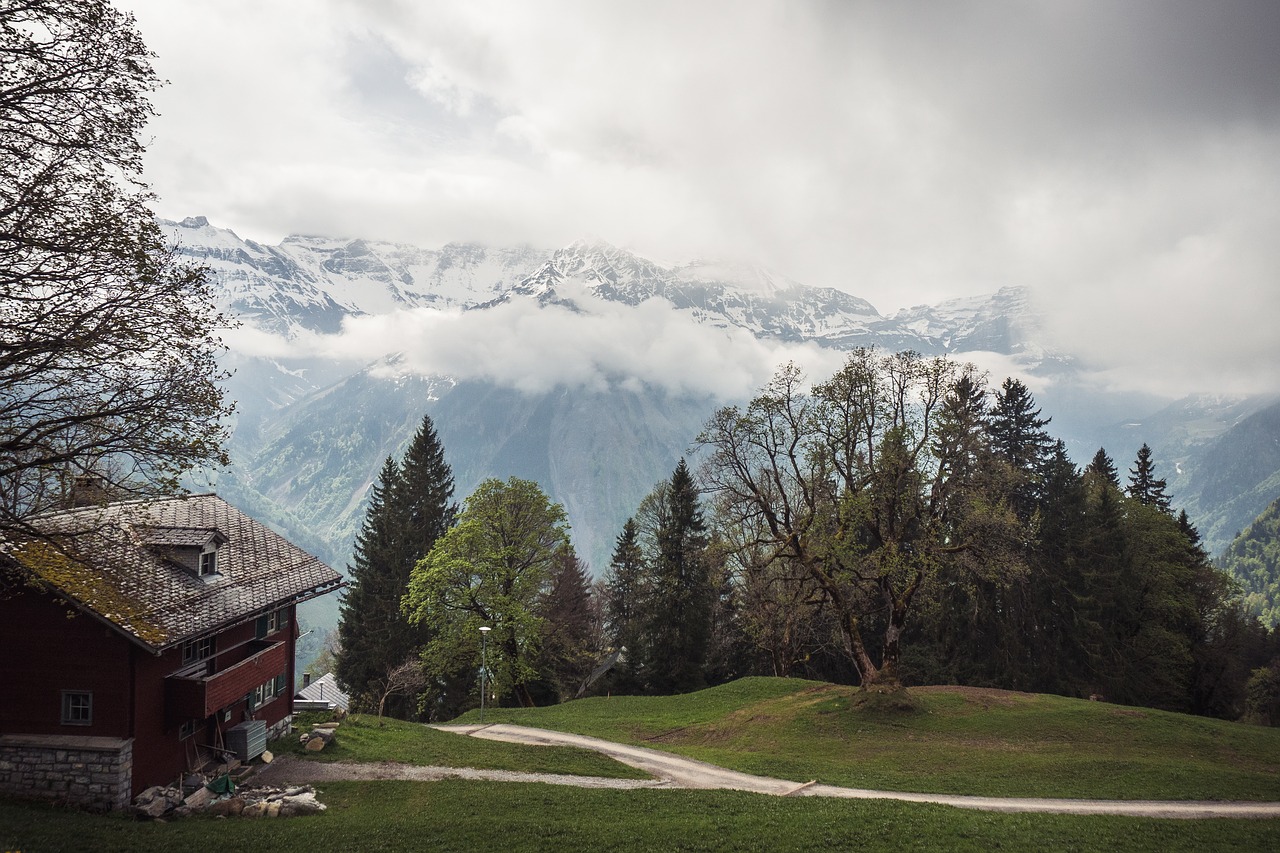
[
  {"x": 848, "y": 482},
  {"x": 490, "y": 569},
  {"x": 107, "y": 342}
]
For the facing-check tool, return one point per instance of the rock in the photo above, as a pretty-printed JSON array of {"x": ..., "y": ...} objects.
[
  {"x": 315, "y": 744},
  {"x": 302, "y": 804},
  {"x": 232, "y": 807},
  {"x": 199, "y": 798},
  {"x": 254, "y": 810}
]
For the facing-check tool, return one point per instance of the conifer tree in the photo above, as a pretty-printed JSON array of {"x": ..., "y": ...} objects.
[
  {"x": 570, "y": 639},
  {"x": 1017, "y": 430},
  {"x": 682, "y": 612},
  {"x": 1104, "y": 467},
  {"x": 1144, "y": 486},
  {"x": 409, "y": 509},
  {"x": 627, "y": 587},
  {"x": 1018, "y": 436}
]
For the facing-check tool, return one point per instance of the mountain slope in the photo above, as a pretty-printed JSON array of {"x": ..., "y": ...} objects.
[{"x": 1254, "y": 559}]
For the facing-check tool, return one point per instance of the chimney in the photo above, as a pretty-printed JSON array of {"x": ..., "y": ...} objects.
[
  {"x": 88, "y": 490},
  {"x": 306, "y": 679}
]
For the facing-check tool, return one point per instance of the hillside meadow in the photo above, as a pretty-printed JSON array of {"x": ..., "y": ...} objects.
[{"x": 953, "y": 740}]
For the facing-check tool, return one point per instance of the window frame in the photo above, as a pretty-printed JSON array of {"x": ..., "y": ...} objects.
[
  {"x": 194, "y": 651},
  {"x": 75, "y": 712},
  {"x": 208, "y": 563}
]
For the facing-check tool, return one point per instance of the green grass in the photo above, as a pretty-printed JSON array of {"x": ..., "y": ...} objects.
[
  {"x": 977, "y": 742},
  {"x": 457, "y": 815},
  {"x": 366, "y": 739}
]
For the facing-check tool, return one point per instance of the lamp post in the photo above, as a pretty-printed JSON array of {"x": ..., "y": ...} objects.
[{"x": 484, "y": 637}]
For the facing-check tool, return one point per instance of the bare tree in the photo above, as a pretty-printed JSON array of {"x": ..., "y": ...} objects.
[{"x": 403, "y": 679}]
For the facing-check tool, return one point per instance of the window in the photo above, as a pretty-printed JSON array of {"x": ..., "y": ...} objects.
[
  {"x": 264, "y": 693},
  {"x": 197, "y": 650},
  {"x": 272, "y": 622},
  {"x": 188, "y": 729},
  {"x": 77, "y": 708},
  {"x": 208, "y": 563}
]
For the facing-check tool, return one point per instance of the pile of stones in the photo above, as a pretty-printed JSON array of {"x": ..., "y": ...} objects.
[{"x": 163, "y": 803}]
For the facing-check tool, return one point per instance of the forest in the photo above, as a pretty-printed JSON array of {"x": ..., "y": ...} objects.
[{"x": 899, "y": 523}]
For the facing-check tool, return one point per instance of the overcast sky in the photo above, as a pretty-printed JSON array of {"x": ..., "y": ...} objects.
[{"x": 1120, "y": 158}]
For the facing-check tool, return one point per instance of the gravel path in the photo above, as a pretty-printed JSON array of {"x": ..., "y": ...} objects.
[{"x": 676, "y": 771}]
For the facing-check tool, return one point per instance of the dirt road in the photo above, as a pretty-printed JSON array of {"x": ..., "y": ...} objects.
[{"x": 676, "y": 771}]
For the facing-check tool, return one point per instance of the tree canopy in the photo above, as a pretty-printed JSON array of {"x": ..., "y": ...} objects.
[
  {"x": 850, "y": 482},
  {"x": 492, "y": 569},
  {"x": 107, "y": 341}
]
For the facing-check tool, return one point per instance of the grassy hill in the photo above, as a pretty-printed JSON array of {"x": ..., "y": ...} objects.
[
  {"x": 957, "y": 740},
  {"x": 974, "y": 741}
]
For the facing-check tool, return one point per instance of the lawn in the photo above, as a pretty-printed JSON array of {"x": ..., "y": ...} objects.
[
  {"x": 364, "y": 738},
  {"x": 958, "y": 741},
  {"x": 457, "y": 815}
]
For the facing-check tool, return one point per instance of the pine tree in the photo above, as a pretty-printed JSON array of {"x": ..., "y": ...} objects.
[
  {"x": 409, "y": 509},
  {"x": 1144, "y": 486},
  {"x": 1017, "y": 430},
  {"x": 1104, "y": 467},
  {"x": 680, "y": 618},
  {"x": 570, "y": 640},
  {"x": 1018, "y": 436},
  {"x": 628, "y": 590}
]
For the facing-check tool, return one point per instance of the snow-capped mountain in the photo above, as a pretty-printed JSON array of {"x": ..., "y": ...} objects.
[{"x": 315, "y": 283}]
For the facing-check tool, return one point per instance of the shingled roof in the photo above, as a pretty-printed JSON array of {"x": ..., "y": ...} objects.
[{"x": 115, "y": 562}]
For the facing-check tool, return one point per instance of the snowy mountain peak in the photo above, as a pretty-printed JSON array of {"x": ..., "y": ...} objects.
[{"x": 315, "y": 283}]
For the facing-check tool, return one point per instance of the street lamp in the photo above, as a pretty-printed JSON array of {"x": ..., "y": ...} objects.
[{"x": 484, "y": 637}]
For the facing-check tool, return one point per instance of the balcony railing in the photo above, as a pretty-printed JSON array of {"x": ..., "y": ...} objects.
[{"x": 192, "y": 697}]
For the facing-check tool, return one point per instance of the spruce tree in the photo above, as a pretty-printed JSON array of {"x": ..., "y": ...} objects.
[
  {"x": 570, "y": 637},
  {"x": 409, "y": 509},
  {"x": 1018, "y": 436},
  {"x": 1016, "y": 428},
  {"x": 627, "y": 588},
  {"x": 1144, "y": 486},
  {"x": 680, "y": 619},
  {"x": 1104, "y": 468}
]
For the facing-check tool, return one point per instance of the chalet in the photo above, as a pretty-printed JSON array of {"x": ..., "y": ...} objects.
[{"x": 141, "y": 640}]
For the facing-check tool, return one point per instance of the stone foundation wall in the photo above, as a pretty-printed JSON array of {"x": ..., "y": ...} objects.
[
  {"x": 280, "y": 729},
  {"x": 88, "y": 772}
]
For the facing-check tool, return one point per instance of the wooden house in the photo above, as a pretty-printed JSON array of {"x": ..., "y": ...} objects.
[{"x": 139, "y": 638}]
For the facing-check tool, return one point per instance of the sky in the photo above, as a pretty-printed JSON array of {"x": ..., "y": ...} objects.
[{"x": 1121, "y": 159}]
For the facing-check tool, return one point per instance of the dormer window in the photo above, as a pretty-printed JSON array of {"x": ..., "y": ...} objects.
[{"x": 194, "y": 549}]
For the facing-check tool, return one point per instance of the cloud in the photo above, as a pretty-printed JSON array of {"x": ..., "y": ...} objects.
[
  {"x": 1122, "y": 159},
  {"x": 589, "y": 343}
]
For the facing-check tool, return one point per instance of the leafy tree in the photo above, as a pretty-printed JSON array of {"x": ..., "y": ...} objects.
[
  {"x": 1144, "y": 486},
  {"x": 107, "y": 342},
  {"x": 490, "y": 569},
  {"x": 410, "y": 507},
  {"x": 848, "y": 483}
]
